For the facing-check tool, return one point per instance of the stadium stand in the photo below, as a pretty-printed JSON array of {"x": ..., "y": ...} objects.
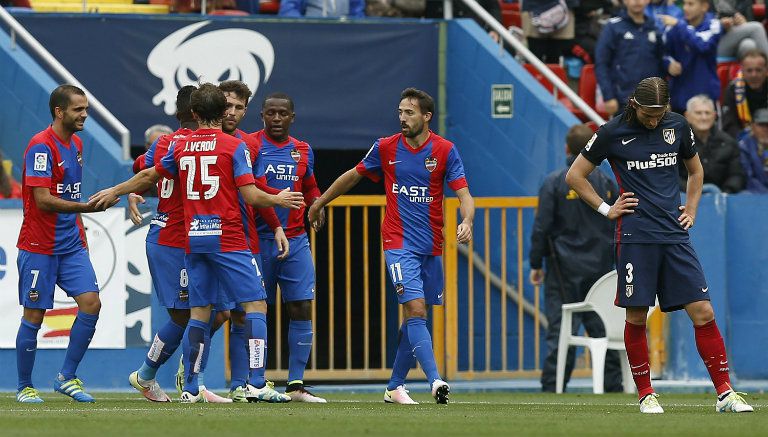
[{"x": 100, "y": 6}]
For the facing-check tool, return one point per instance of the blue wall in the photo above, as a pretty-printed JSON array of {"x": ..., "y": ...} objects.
[{"x": 24, "y": 91}]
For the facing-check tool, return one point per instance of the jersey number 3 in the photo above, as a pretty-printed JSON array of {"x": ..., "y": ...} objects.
[{"x": 189, "y": 164}]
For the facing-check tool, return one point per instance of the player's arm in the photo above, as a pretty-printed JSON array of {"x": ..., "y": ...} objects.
[
  {"x": 576, "y": 178},
  {"x": 467, "y": 211},
  {"x": 139, "y": 183},
  {"x": 47, "y": 202},
  {"x": 259, "y": 199},
  {"x": 693, "y": 191},
  {"x": 340, "y": 186},
  {"x": 133, "y": 207}
]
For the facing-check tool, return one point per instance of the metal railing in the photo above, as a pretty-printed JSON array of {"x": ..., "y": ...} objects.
[
  {"x": 104, "y": 114},
  {"x": 523, "y": 51}
]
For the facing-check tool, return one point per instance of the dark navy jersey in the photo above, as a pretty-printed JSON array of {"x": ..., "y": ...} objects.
[{"x": 645, "y": 163}]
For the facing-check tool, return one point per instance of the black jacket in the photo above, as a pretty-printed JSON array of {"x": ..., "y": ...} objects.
[
  {"x": 756, "y": 99},
  {"x": 582, "y": 238},
  {"x": 720, "y": 159}
]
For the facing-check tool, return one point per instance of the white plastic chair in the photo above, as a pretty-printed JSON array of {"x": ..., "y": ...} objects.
[{"x": 599, "y": 299}]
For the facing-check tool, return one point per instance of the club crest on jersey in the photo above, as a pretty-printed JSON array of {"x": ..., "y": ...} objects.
[
  {"x": 630, "y": 290},
  {"x": 431, "y": 164},
  {"x": 669, "y": 136},
  {"x": 80, "y": 158},
  {"x": 33, "y": 295},
  {"x": 296, "y": 155}
]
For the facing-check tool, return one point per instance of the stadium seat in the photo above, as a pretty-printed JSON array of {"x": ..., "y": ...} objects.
[
  {"x": 510, "y": 14},
  {"x": 560, "y": 73},
  {"x": 726, "y": 71},
  {"x": 599, "y": 299},
  {"x": 758, "y": 11},
  {"x": 269, "y": 6},
  {"x": 588, "y": 88}
]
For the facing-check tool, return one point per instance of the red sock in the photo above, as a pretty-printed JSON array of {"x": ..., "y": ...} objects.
[
  {"x": 710, "y": 344},
  {"x": 637, "y": 352}
]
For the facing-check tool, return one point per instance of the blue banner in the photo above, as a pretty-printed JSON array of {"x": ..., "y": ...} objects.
[{"x": 345, "y": 78}]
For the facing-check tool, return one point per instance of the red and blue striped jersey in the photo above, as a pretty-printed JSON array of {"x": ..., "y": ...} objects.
[
  {"x": 413, "y": 182},
  {"x": 287, "y": 165},
  {"x": 210, "y": 166},
  {"x": 167, "y": 226},
  {"x": 52, "y": 164}
]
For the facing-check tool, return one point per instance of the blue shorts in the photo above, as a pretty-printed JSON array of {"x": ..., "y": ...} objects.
[
  {"x": 39, "y": 274},
  {"x": 416, "y": 276},
  {"x": 295, "y": 274},
  {"x": 229, "y": 276},
  {"x": 232, "y": 305},
  {"x": 169, "y": 275},
  {"x": 670, "y": 270}
]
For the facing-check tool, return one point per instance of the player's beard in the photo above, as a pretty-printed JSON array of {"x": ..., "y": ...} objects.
[
  {"x": 71, "y": 124},
  {"x": 413, "y": 132}
]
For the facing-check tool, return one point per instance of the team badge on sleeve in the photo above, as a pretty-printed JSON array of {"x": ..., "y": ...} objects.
[
  {"x": 669, "y": 136},
  {"x": 296, "y": 155},
  {"x": 41, "y": 162},
  {"x": 431, "y": 164}
]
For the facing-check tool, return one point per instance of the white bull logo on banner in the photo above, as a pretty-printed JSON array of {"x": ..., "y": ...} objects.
[{"x": 215, "y": 56}]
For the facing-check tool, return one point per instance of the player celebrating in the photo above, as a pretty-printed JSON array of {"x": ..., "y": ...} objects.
[
  {"x": 52, "y": 245},
  {"x": 215, "y": 170},
  {"x": 289, "y": 163},
  {"x": 237, "y": 95},
  {"x": 653, "y": 252},
  {"x": 415, "y": 164}
]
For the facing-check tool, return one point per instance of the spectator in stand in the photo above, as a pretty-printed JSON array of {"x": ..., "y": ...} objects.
[
  {"x": 692, "y": 50},
  {"x": 657, "y": 8},
  {"x": 740, "y": 34},
  {"x": 629, "y": 50},
  {"x": 588, "y": 15},
  {"x": 9, "y": 188},
  {"x": 549, "y": 27},
  {"x": 154, "y": 132},
  {"x": 322, "y": 8},
  {"x": 718, "y": 151},
  {"x": 395, "y": 8},
  {"x": 754, "y": 153},
  {"x": 747, "y": 93}
]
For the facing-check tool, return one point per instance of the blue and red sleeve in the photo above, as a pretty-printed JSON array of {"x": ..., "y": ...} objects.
[
  {"x": 39, "y": 166},
  {"x": 370, "y": 166},
  {"x": 455, "y": 171}
]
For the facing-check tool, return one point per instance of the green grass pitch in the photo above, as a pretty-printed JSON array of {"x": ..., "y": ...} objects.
[{"x": 469, "y": 414}]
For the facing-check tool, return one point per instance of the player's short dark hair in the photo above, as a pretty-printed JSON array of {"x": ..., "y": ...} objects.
[
  {"x": 577, "y": 138},
  {"x": 184, "y": 104},
  {"x": 61, "y": 96},
  {"x": 651, "y": 91},
  {"x": 240, "y": 89},
  {"x": 209, "y": 103},
  {"x": 278, "y": 96},
  {"x": 426, "y": 102},
  {"x": 754, "y": 53}
]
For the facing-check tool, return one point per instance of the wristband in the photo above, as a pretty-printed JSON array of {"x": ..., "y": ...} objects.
[{"x": 603, "y": 209}]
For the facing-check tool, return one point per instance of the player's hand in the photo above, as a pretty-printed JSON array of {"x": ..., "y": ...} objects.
[
  {"x": 135, "y": 214},
  {"x": 316, "y": 216},
  {"x": 675, "y": 68},
  {"x": 464, "y": 233},
  {"x": 536, "y": 276},
  {"x": 611, "y": 106},
  {"x": 686, "y": 220},
  {"x": 282, "y": 243},
  {"x": 668, "y": 20},
  {"x": 625, "y": 204},
  {"x": 290, "y": 199},
  {"x": 103, "y": 199}
]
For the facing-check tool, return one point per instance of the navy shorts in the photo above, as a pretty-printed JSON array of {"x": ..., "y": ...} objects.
[
  {"x": 216, "y": 278},
  {"x": 39, "y": 274},
  {"x": 671, "y": 271},
  {"x": 416, "y": 276},
  {"x": 295, "y": 274}
]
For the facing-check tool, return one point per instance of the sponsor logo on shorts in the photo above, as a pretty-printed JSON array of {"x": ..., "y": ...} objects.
[
  {"x": 705, "y": 289},
  {"x": 33, "y": 295},
  {"x": 183, "y": 295},
  {"x": 629, "y": 290},
  {"x": 400, "y": 289}
]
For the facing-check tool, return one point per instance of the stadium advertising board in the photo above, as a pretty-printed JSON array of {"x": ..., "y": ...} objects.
[
  {"x": 345, "y": 78},
  {"x": 116, "y": 251}
]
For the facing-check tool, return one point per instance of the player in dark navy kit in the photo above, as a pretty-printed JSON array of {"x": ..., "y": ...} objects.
[
  {"x": 415, "y": 164},
  {"x": 653, "y": 254},
  {"x": 52, "y": 245},
  {"x": 289, "y": 163},
  {"x": 215, "y": 173}
]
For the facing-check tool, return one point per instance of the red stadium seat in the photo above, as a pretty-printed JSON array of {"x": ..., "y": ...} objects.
[
  {"x": 726, "y": 72},
  {"x": 588, "y": 88},
  {"x": 229, "y": 12},
  {"x": 269, "y": 6},
  {"x": 758, "y": 11},
  {"x": 510, "y": 14},
  {"x": 560, "y": 72}
]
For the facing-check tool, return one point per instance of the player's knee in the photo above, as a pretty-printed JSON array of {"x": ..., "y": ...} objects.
[
  {"x": 89, "y": 303},
  {"x": 257, "y": 306},
  {"x": 179, "y": 317},
  {"x": 238, "y": 318},
  {"x": 637, "y": 316},
  {"x": 34, "y": 315},
  {"x": 300, "y": 310},
  {"x": 415, "y": 308}
]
